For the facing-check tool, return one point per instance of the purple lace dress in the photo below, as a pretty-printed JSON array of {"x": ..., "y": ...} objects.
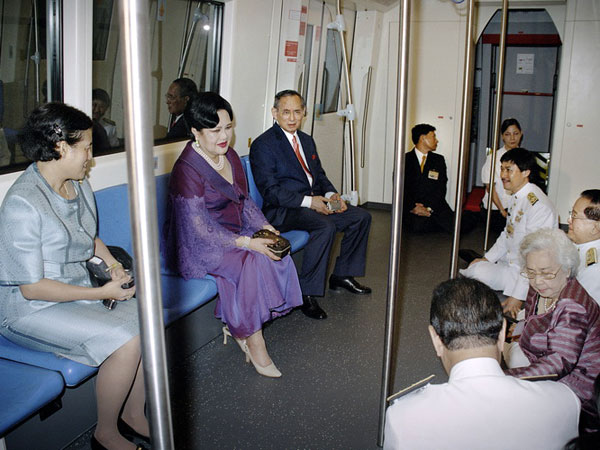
[{"x": 205, "y": 215}]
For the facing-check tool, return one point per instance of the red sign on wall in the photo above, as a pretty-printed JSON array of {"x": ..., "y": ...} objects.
[{"x": 291, "y": 48}]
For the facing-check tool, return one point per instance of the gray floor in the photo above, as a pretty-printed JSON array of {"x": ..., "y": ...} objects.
[{"x": 328, "y": 397}]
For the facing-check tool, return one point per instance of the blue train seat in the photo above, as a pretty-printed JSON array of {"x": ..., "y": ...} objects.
[
  {"x": 297, "y": 238},
  {"x": 24, "y": 390},
  {"x": 73, "y": 373},
  {"x": 179, "y": 296}
]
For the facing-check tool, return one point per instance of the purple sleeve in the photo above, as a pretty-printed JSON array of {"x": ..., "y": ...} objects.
[
  {"x": 193, "y": 242},
  {"x": 560, "y": 346},
  {"x": 252, "y": 219}
]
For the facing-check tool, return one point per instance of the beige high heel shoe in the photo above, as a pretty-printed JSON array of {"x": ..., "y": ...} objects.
[{"x": 269, "y": 371}]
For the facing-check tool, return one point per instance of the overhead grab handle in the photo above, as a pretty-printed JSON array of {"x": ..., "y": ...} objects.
[
  {"x": 349, "y": 112},
  {"x": 339, "y": 24}
]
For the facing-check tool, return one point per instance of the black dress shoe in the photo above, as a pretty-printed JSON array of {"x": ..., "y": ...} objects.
[
  {"x": 311, "y": 308},
  {"x": 129, "y": 433},
  {"x": 468, "y": 255},
  {"x": 348, "y": 283},
  {"x": 96, "y": 445}
]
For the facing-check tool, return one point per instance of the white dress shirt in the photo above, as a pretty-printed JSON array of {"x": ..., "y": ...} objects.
[
  {"x": 481, "y": 408},
  {"x": 588, "y": 274},
  {"x": 498, "y": 186}
]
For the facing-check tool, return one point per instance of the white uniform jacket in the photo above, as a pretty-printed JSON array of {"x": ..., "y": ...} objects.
[
  {"x": 529, "y": 210},
  {"x": 589, "y": 268},
  {"x": 480, "y": 407}
]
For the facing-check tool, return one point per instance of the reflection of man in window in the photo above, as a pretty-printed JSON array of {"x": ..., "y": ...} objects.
[
  {"x": 179, "y": 94},
  {"x": 100, "y": 103}
]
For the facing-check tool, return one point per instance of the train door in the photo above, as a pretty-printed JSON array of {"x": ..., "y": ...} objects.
[{"x": 530, "y": 80}]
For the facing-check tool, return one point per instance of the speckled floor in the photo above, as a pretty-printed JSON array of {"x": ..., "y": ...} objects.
[{"x": 329, "y": 393}]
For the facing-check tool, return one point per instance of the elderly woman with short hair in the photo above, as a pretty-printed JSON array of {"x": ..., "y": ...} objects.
[{"x": 562, "y": 322}]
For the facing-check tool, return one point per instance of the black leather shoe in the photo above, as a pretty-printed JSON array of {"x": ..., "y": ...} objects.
[
  {"x": 129, "y": 433},
  {"x": 311, "y": 308},
  {"x": 468, "y": 255},
  {"x": 348, "y": 283}
]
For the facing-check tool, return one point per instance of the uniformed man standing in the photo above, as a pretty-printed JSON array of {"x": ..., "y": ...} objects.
[
  {"x": 584, "y": 231},
  {"x": 529, "y": 210},
  {"x": 480, "y": 406}
]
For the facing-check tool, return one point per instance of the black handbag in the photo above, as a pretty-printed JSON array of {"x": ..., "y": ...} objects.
[
  {"x": 281, "y": 247},
  {"x": 100, "y": 273}
]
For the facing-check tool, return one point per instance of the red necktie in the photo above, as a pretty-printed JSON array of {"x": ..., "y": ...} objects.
[{"x": 298, "y": 155}]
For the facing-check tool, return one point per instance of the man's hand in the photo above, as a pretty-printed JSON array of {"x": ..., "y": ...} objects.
[
  {"x": 421, "y": 210},
  {"x": 512, "y": 306},
  {"x": 319, "y": 204},
  {"x": 476, "y": 260},
  {"x": 343, "y": 205}
]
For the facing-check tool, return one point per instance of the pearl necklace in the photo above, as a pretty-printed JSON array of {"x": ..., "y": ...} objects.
[
  {"x": 551, "y": 306},
  {"x": 218, "y": 166}
]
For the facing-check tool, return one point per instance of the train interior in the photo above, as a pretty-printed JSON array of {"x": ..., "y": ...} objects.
[{"x": 247, "y": 50}]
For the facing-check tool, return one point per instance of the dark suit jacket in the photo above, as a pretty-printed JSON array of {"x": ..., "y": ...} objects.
[
  {"x": 279, "y": 176},
  {"x": 180, "y": 130},
  {"x": 422, "y": 187}
]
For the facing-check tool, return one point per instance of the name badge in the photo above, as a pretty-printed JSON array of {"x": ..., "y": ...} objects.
[{"x": 433, "y": 175}]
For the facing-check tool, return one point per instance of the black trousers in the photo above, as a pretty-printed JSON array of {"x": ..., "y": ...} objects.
[{"x": 355, "y": 223}]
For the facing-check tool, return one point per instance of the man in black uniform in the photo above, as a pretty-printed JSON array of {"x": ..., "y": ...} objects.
[{"x": 425, "y": 179}]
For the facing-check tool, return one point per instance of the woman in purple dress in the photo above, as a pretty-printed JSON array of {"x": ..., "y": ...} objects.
[
  {"x": 210, "y": 221},
  {"x": 561, "y": 335}
]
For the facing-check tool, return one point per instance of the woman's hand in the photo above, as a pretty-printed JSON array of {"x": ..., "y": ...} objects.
[
  {"x": 113, "y": 289},
  {"x": 511, "y": 306},
  {"x": 271, "y": 228},
  {"x": 478, "y": 260},
  {"x": 260, "y": 245}
]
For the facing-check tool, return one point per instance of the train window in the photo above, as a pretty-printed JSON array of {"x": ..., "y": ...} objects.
[
  {"x": 185, "y": 41},
  {"x": 23, "y": 72},
  {"x": 332, "y": 72}
]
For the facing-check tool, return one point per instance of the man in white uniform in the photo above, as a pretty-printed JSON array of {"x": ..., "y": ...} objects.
[
  {"x": 584, "y": 231},
  {"x": 529, "y": 209},
  {"x": 479, "y": 407}
]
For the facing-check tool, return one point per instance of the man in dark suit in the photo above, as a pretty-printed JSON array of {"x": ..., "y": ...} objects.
[
  {"x": 425, "y": 179},
  {"x": 180, "y": 92},
  {"x": 298, "y": 195}
]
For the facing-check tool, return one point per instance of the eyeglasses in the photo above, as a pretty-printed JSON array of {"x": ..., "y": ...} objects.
[
  {"x": 547, "y": 276},
  {"x": 171, "y": 97},
  {"x": 573, "y": 216}
]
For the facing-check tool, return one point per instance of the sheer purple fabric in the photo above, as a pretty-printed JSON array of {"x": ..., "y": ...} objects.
[{"x": 205, "y": 215}]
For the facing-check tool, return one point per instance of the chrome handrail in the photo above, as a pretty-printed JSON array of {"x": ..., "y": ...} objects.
[{"x": 363, "y": 133}]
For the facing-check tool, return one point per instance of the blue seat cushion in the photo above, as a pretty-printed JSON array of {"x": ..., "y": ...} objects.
[
  {"x": 24, "y": 390},
  {"x": 181, "y": 297},
  {"x": 297, "y": 238},
  {"x": 72, "y": 372}
]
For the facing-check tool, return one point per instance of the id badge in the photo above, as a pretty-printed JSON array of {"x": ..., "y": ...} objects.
[{"x": 433, "y": 175}]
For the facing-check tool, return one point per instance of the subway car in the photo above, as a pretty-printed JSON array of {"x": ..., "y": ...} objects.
[{"x": 330, "y": 394}]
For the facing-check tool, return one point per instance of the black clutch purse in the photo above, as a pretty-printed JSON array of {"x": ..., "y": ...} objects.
[
  {"x": 100, "y": 274},
  {"x": 281, "y": 247}
]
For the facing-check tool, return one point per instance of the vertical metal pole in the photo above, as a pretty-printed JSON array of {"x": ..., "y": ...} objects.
[
  {"x": 133, "y": 15},
  {"x": 397, "y": 196},
  {"x": 497, "y": 116},
  {"x": 350, "y": 102},
  {"x": 465, "y": 134}
]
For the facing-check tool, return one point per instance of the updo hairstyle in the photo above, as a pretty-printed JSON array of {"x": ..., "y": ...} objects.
[
  {"x": 49, "y": 124},
  {"x": 202, "y": 110}
]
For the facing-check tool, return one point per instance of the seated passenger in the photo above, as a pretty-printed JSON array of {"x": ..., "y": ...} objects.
[
  {"x": 528, "y": 210},
  {"x": 100, "y": 103},
  {"x": 47, "y": 302},
  {"x": 478, "y": 405},
  {"x": 299, "y": 196},
  {"x": 584, "y": 231},
  {"x": 425, "y": 181},
  {"x": 562, "y": 322},
  {"x": 181, "y": 91},
  {"x": 511, "y": 136},
  {"x": 210, "y": 221}
]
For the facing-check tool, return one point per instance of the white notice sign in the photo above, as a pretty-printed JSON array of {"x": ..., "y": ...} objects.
[{"x": 525, "y": 63}]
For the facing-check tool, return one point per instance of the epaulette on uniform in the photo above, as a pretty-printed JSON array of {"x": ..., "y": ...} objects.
[
  {"x": 591, "y": 257},
  {"x": 108, "y": 121},
  {"x": 532, "y": 198},
  {"x": 418, "y": 386}
]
